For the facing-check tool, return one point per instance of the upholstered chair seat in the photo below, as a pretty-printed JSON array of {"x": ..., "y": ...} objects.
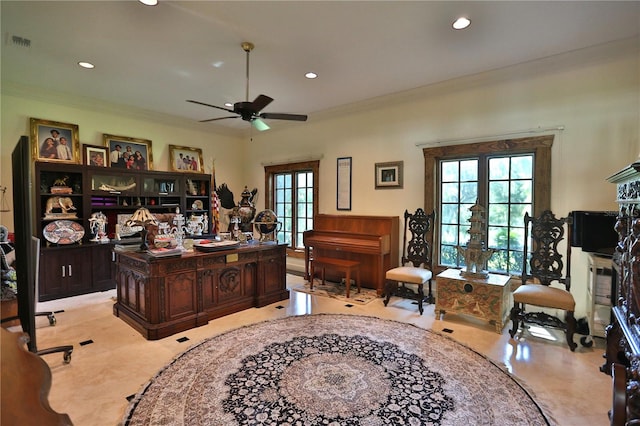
[
  {"x": 544, "y": 296},
  {"x": 409, "y": 274},
  {"x": 409, "y": 279}
]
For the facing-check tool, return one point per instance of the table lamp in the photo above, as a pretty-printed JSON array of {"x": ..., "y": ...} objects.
[{"x": 142, "y": 217}]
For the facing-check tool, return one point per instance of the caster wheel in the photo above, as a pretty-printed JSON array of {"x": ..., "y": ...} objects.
[{"x": 586, "y": 341}]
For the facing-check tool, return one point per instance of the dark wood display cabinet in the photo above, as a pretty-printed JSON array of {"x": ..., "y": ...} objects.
[
  {"x": 66, "y": 195},
  {"x": 622, "y": 356}
]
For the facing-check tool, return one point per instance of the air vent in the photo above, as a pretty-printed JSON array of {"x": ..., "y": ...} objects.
[{"x": 18, "y": 41}]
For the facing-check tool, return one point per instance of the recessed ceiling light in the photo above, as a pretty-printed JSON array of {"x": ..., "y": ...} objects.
[
  {"x": 311, "y": 75},
  {"x": 87, "y": 65},
  {"x": 149, "y": 2},
  {"x": 461, "y": 23},
  {"x": 228, "y": 104}
]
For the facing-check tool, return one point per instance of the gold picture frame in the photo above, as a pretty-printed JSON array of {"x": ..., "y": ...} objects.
[
  {"x": 126, "y": 147},
  {"x": 54, "y": 141},
  {"x": 389, "y": 175},
  {"x": 185, "y": 159}
]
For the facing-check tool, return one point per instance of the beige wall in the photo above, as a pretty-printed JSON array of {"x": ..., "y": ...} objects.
[{"x": 593, "y": 93}]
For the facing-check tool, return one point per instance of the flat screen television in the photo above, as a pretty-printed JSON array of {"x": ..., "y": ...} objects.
[{"x": 594, "y": 231}]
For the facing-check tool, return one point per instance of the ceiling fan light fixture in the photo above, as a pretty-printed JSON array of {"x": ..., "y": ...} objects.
[
  {"x": 260, "y": 125},
  {"x": 461, "y": 23}
]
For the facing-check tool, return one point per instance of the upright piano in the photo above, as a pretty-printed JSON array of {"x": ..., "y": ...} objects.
[{"x": 371, "y": 240}]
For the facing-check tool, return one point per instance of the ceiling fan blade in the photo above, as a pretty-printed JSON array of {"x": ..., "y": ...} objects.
[
  {"x": 209, "y": 105},
  {"x": 260, "y": 125},
  {"x": 260, "y": 102},
  {"x": 219, "y": 118},
  {"x": 280, "y": 116}
]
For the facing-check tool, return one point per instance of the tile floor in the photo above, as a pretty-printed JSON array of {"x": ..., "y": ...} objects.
[{"x": 94, "y": 387}]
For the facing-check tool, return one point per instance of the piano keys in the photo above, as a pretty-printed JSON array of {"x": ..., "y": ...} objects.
[{"x": 371, "y": 240}]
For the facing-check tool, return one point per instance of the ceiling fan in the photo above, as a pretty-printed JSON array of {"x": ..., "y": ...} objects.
[{"x": 250, "y": 111}]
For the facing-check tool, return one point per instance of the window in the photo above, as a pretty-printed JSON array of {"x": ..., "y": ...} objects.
[
  {"x": 292, "y": 193},
  {"x": 507, "y": 178}
]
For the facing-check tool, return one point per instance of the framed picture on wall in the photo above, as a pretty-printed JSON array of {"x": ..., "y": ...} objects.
[
  {"x": 389, "y": 175},
  {"x": 54, "y": 141},
  {"x": 185, "y": 159},
  {"x": 128, "y": 153},
  {"x": 94, "y": 155},
  {"x": 343, "y": 201}
]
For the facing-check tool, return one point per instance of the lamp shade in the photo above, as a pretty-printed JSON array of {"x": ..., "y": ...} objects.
[{"x": 143, "y": 217}]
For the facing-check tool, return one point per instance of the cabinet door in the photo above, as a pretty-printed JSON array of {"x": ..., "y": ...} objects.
[
  {"x": 64, "y": 272},
  {"x": 103, "y": 267},
  {"x": 272, "y": 277},
  {"x": 51, "y": 280},
  {"x": 78, "y": 270}
]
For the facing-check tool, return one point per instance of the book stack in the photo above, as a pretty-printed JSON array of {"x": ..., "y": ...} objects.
[
  {"x": 128, "y": 244},
  {"x": 164, "y": 252}
]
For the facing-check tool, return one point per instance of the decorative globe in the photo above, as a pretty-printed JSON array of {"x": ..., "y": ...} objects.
[{"x": 266, "y": 222}]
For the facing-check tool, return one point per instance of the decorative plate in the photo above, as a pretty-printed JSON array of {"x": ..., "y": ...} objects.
[{"x": 63, "y": 232}]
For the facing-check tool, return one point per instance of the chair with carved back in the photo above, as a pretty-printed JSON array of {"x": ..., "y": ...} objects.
[
  {"x": 546, "y": 277},
  {"x": 408, "y": 279}
]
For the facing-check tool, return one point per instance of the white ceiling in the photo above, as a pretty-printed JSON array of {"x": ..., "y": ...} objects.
[{"x": 154, "y": 58}]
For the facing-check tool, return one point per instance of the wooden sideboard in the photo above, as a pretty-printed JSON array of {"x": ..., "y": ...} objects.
[{"x": 162, "y": 296}]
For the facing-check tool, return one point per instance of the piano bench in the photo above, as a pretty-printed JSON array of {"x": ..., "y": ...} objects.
[{"x": 342, "y": 265}]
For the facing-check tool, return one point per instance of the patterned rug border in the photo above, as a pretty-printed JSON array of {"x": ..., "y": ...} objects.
[
  {"x": 319, "y": 290},
  {"x": 541, "y": 406}
]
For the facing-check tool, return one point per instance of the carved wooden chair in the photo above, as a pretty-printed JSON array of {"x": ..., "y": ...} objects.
[
  {"x": 415, "y": 269},
  {"x": 542, "y": 267}
]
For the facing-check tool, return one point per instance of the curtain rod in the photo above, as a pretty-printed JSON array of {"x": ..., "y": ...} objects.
[
  {"x": 497, "y": 136},
  {"x": 293, "y": 160}
]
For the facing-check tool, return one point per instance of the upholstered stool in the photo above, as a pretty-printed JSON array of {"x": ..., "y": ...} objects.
[{"x": 342, "y": 265}]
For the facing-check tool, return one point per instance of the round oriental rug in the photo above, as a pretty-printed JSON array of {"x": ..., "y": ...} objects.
[{"x": 332, "y": 370}]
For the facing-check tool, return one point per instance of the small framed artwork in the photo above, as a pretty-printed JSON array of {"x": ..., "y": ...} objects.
[
  {"x": 185, "y": 159},
  {"x": 343, "y": 201},
  {"x": 94, "y": 155},
  {"x": 128, "y": 153},
  {"x": 389, "y": 175},
  {"x": 54, "y": 141}
]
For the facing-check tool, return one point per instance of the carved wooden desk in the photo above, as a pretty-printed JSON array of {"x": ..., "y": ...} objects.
[
  {"x": 486, "y": 299},
  {"x": 162, "y": 296}
]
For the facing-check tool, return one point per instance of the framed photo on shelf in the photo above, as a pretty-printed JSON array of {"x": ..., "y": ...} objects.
[
  {"x": 128, "y": 153},
  {"x": 389, "y": 175},
  {"x": 94, "y": 155},
  {"x": 54, "y": 141},
  {"x": 185, "y": 159}
]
